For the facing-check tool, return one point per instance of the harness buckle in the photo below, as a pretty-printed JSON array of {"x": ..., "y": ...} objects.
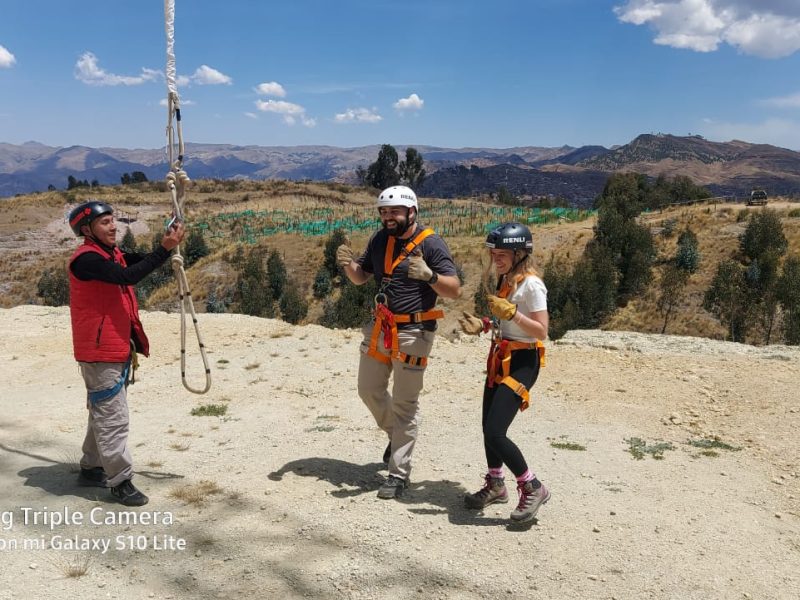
[{"x": 381, "y": 298}]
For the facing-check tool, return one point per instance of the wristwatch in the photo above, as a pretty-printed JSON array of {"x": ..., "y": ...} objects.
[{"x": 434, "y": 278}]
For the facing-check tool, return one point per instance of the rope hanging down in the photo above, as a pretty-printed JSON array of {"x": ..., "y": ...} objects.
[{"x": 176, "y": 181}]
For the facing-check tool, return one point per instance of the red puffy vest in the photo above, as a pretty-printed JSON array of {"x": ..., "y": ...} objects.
[{"x": 105, "y": 316}]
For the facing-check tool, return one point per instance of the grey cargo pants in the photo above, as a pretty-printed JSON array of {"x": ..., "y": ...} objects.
[
  {"x": 397, "y": 413},
  {"x": 106, "y": 441}
]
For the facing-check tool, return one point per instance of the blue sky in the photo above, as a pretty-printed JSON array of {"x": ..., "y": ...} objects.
[{"x": 451, "y": 73}]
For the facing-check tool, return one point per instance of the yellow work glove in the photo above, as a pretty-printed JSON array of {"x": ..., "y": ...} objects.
[
  {"x": 344, "y": 255},
  {"x": 501, "y": 308},
  {"x": 418, "y": 269},
  {"x": 471, "y": 324}
]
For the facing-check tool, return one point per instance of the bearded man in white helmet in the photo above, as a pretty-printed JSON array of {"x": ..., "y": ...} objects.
[{"x": 412, "y": 267}]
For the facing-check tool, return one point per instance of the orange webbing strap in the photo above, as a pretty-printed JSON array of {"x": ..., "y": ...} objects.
[
  {"x": 498, "y": 366},
  {"x": 429, "y": 315},
  {"x": 386, "y": 322},
  {"x": 505, "y": 288},
  {"x": 389, "y": 264}
]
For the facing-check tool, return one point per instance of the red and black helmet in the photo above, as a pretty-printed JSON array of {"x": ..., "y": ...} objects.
[{"x": 87, "y": 212}]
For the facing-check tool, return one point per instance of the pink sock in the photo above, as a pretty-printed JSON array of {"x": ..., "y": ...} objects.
[
  {"x": 526, "y": 476},
  {"x": 496, "y": 473}
]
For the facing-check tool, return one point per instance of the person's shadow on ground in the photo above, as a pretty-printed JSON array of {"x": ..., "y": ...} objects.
[
  {"x": 350, "y": 479},
  {"x": 60, "y": 478}
]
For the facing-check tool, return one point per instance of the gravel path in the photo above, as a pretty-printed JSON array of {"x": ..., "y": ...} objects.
[{"x": 294, "y": 466}]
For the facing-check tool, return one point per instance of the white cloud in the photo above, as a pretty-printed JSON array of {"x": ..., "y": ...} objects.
[
  {"x": 358, "y": 115},
  {"x": 784, "y": 133},
  {"x": 413, "y": 102},
  {"x": 251, "y": 115},
  {"x": 7, "y": 60},
  {"x": 163, "y": 102},
  {"x": 205, "y": 75},
  {"x": 88, "y": 70},
  {"x": 764, "y": 28},
  {"x": 272, "y": 88},
  {"x": 290, "y": 112},
  {"x": 790, "y": 101}
]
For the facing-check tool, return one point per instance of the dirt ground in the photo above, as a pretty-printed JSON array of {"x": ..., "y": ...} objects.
[{"x": 289, "y": 506}]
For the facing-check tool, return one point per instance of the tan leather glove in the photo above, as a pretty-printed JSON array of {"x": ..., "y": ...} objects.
[
  {"x": 418, "y": 269},
  {"x": 471, "y": 324},
  {"x": 344, "y": 255},
  {"x": 501, "y": 308}
]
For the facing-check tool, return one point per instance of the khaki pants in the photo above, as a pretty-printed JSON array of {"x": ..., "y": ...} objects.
[
  {"x": 397, "y": 413},
  {"x": 106, "y": 441}
]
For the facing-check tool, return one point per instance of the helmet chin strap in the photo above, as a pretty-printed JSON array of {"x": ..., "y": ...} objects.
[{"x": 516, "y": 263}]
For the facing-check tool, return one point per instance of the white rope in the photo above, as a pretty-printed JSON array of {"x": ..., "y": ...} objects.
[{"x": 176, "y": 180}]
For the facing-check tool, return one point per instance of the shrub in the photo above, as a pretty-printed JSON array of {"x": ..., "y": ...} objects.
[
  {"x": 687, "y": 257},
  {"x": 276, "y": 274},
  {"x": 128, "y": 243},
  {"x": 336, "y": 239},
  {"x": 53, "y": 287},
  {"x": 294, "y": 307},
  {"x": 196, "y": 247},
  {"x": 322, "y": 283},
  {"x": 352, "y": 308}
]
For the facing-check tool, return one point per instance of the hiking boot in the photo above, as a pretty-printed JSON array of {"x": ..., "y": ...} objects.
[
  {"x": 387, "y": 454},
  {"x": 392, "y": 488},
  {"x": 530, "y": 500},
  {"x": 94, "y": 477},
  {"x": 494, "y": 490},
  {"x": 128, "y": 495}
]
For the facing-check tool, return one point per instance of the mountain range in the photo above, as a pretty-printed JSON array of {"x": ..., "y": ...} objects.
[{"x": 576, "y": 174}]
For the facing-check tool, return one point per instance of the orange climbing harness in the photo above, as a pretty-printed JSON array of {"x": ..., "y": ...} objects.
[
  {"x": 498, "y": 364},
  {"x": 385, "y": 320}
]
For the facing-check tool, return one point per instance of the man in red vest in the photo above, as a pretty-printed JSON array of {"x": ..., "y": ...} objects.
[{"x": 106, "y": 333}]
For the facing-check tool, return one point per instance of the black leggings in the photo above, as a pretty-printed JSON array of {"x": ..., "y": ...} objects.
[{"x": 500, "y": 406}]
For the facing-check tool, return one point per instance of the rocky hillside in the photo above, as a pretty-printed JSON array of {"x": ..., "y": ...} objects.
[
  {"x": 577, "y": 174},
  {"x": 731, "y": 168}
]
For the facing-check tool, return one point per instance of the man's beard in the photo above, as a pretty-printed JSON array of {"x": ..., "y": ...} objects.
[{"x": 400, "y": 228}]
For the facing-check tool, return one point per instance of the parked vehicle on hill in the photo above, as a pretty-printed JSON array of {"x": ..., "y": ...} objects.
[{"x": 757, "y": 198}]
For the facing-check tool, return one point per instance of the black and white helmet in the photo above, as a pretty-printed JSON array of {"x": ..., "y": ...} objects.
[{"x": 510, "y": 236}]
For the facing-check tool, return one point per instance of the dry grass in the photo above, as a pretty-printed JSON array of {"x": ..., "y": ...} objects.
[
  {"x": 196, "y": 494},
  {"x": 72, "y": 567},
  {"x": 21, "y": 263}
]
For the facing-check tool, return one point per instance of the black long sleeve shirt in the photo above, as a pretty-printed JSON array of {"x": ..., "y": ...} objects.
[{"x": 91, "y": 266}]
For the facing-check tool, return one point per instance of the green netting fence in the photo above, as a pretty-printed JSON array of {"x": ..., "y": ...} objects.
[{"x": 447, "y": 219}]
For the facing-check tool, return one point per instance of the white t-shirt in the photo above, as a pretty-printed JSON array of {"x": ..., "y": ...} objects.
[{"x": 530, "y": 296}]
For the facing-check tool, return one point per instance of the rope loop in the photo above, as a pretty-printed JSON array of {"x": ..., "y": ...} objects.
[{"x": 176, "y": 180}]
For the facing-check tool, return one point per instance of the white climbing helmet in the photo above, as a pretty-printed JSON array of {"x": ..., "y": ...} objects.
[{"x": 398, "y": 195}]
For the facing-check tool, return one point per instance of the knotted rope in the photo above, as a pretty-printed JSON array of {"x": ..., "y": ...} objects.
[{"x": 177, "y": 180}]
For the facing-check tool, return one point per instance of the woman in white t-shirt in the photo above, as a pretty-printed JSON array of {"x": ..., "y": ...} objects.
[{"x": 520, "y": 323}]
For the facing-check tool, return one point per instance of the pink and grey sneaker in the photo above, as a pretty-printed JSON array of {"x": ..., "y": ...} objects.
[
  {"x": 494, "y": 490},
  {"x": 530, "y": 500}
]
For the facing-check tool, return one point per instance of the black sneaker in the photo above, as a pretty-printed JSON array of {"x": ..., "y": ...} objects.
[
  {"x": 392, "y": 488},
  {"x": 387, "y": 454},
  {"x": 128, "y": 495},
  {"x": 94, "y": 477}
]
